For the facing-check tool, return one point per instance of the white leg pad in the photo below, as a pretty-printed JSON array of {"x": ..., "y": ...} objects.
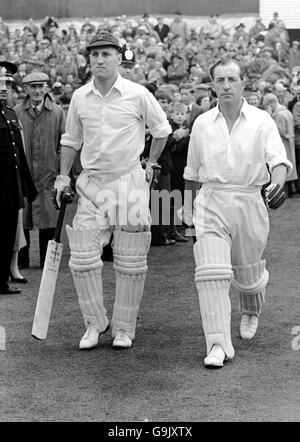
[
  {"x": 130, "y": 265},
  {"x": 86, "y": 267},
  {"x": 213, "y": 277},
  {"x": 251, "y": 281}
]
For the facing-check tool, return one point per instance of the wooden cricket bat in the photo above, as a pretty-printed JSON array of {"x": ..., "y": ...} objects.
[{"x": 49, "y": 275}]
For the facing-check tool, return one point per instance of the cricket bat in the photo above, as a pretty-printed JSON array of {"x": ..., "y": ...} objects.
[{"x": 49, "y": 275}]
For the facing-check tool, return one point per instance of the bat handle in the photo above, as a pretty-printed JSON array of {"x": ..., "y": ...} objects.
[{"x": 60, "y": 221}]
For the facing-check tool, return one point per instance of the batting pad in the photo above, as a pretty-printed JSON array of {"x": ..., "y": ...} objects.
[
  {"x": 130, "y": 264},
  {"x": 250, "y": 281},
  {"x": 213, "y": 277},
  {"x": 86, "y": 268}
]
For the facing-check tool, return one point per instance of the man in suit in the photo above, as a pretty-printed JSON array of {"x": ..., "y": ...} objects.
[
  {"x": 161, "y": 28},
  {"x": 15, "y": 178},
  {"x": 187, "y": 94}
]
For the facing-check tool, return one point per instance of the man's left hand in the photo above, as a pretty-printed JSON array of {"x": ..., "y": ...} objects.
[{"x": 274, "y": 196}]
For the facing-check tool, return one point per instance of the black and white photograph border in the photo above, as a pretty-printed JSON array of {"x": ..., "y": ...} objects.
[{"x": 161, "y": 378}]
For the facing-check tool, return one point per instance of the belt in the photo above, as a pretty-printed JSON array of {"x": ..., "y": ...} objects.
[
  {"x": 231, "y": 187},
  {"x": 113, "y": 174}
]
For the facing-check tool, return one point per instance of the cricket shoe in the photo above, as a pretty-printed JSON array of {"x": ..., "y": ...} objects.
[
  {"x": 215, "y": 357},
  {"x": 91, "y": 337},
  {"x": 248, "y": 326},
  {"x": 122, "y": 340}
]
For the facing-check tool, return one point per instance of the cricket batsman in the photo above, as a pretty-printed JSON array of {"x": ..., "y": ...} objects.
[{"x": 106, "y": 120}]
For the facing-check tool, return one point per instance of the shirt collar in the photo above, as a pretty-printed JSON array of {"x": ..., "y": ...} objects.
[
  {"x": 244, "y": 110},
  {"x": 119, "y": 85}
]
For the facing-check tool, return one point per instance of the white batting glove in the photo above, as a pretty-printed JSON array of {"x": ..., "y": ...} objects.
[
  {"x": 60, "y": 183},
  {"x": 186, "y": 216}
]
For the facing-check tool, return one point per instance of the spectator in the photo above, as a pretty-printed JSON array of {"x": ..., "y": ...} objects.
[
  {"x": 177, "y": 70},
  {"x": 285, "y": 125},
  {"x": 294, "y": 55},
  {"x": 178, "y": 145},
  {"x": 294, "y": 107},
  {"x": 254, "y": 99},
  {"x": 43, "y": 123},
  {"x": 188, "y": 98},
  {"x": 178, "y": 26},
  {"x": 161, "y": 28},
  {"x": 256, "y": 29},
  {"x": 87, "y": 27}
]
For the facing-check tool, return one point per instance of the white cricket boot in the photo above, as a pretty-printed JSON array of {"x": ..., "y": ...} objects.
[
  {"x": 122, "y": 340},
  {"x": 248, "y": 326},
  {"x": 215, "y": 357},
  {"x": 91, "y": 337}
]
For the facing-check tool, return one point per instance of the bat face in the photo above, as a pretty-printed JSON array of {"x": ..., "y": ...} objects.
[{"x": 47, "y": 289}]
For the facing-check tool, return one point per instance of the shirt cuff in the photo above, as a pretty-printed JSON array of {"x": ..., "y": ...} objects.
[
  {"x": 286, "y": 162},
  {"x": 191, "y": 175},
  {"x": 161, "y": 131},
  {"x": 69, "y": 141}
]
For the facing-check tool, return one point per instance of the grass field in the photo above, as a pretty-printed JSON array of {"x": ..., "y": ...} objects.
[{"x": 162, "y": 377}]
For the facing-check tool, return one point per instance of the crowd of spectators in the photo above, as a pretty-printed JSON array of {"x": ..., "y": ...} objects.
[{"x": 172, "y": 59}]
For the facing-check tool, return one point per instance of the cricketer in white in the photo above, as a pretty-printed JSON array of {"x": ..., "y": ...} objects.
[
  {"x": 231, "y": 148},
  {"x": 107, "y": 119}
]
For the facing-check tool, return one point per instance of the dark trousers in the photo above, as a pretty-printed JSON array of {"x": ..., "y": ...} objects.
[
  {"x": 8, "y": 228},
  {"x": 297, "y": 154},
  {"x": 44, "y": 236},
  {"x": 160, "y": 230}
]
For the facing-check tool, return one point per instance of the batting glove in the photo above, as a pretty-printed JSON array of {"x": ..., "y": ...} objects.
[
  {"x": 274, "y": 196},
  {"x": 149, "y": 171},
  {"x": 60, "y": 183},
  {"x": 185, "y": 216}
]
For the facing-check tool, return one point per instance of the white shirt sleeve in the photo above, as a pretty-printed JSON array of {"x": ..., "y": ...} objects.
[
  {"x": 154, "y": 116},
  {"x": 73, "y": 135},
  {"x": 275, "y": 150},
  {"x": 191, "y": 171}
]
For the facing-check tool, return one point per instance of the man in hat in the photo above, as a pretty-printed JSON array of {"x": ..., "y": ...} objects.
[
  {"x": 127, "y": 63},
  {"x": 16, "y": 182},
  {"x": 106, "y": 120},
  {"x": 43, "y": 123}
]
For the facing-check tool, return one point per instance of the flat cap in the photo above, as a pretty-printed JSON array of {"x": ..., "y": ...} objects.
[
  {"x": 104, "y": 39},
  {"x": 35, "y": 78}
]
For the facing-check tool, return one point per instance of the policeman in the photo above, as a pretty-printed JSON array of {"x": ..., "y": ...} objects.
[
  {"x": 128, "y": 62},
  {"x": 15, "y": 179}
]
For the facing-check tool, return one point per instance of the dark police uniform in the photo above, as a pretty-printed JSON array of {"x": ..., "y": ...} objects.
[{"x": 15, "y": 184}]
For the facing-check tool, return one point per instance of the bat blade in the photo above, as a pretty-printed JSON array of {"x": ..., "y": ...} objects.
[{"x": 46, "y": 290}]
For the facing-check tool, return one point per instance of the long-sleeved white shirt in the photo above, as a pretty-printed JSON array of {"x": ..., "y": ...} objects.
[
  {"x": 111, "y": 129},
  {"x": 237, "y": 158}
]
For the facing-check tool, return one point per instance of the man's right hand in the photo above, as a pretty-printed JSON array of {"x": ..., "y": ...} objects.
[{"x": 61, "y": 182}]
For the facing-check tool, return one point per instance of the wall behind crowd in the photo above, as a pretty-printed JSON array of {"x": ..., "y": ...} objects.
[{"x": 16, "y": 10}]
